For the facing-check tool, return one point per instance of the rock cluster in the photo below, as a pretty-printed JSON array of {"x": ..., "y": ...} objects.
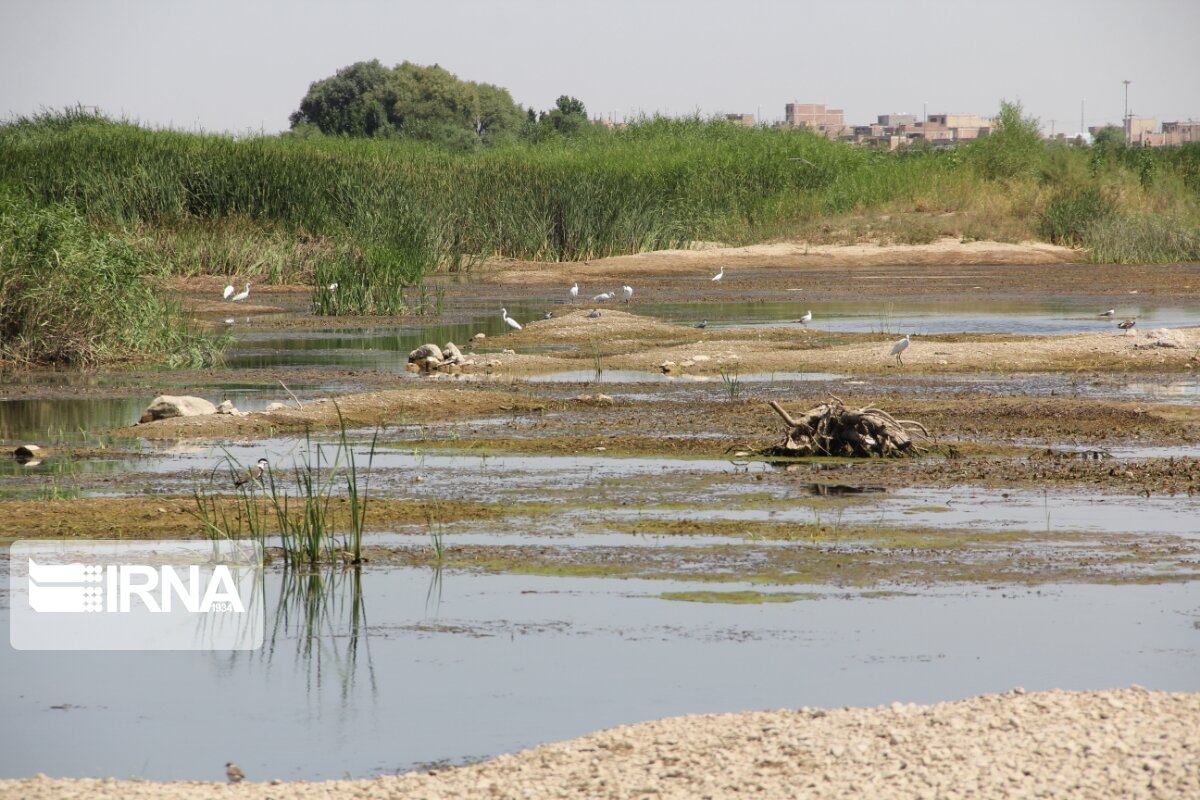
[{"x": 430, "y": 357}]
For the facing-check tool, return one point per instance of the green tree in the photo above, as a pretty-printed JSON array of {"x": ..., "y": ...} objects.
[
  {"x": 338, "y": 105},
  {"x": 1013, "y": 149},
  {"x": 567, "y": 117}
]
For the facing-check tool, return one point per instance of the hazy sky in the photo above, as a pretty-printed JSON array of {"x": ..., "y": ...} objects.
[{"x": 234, "y": 65}]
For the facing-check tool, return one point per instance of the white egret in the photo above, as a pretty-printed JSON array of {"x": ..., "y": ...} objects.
[
  {"x": 229, "y": 320},
  {"x": 242, "y": 295},
  {"x": 898, "y": 348},
  {"x": 573, "y": 292},
  {"x": 719, "y": 275},
  {"x": 1108, "y": 313},
  {"x": 703, "y": 324},
  {"x": 627, "y": 290},
  {"x": 333, "y": 286},
  {"x": 229, "y": 290},
  {"x": 1127, "y": 325},
  {"x": 595, "y": 314},
  {"x": 512, "y": 323},
  {"x": 807, "y": 318},
  {"x": 603, "y": 297}
]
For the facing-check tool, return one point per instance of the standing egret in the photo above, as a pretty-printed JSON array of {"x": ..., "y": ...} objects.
[
  {"x": 807, "y": 318},
  {"x": 719, "y": 275},
  {"x": 627, "y": 290},
  {"x": 703, "y": 324},
  {"x": 242, "y": 295},
  {"x": 229, "y": 290},
  {"x": 1108, "y": 313},
  {"x": 512, "y": 323},
  {"x": 898, "y": 348},
  {"x": 573, "y": 292},
  {"x": 595, "y": 314},
  {"x": 603, "y": 297},
  {"x": 1127, "y": 325}
]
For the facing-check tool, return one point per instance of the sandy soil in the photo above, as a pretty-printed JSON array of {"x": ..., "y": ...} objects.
[{"x": 1128, "y": 743}]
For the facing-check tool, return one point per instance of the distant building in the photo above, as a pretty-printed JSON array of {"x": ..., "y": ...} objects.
[
  {"x": 1173, "y": 134},
  {"x": 812, "y": 115},
  {"x": 745, "y": 120},
  {"x": 1138, "y": 128},
  {"x": 895, "y": 120}
]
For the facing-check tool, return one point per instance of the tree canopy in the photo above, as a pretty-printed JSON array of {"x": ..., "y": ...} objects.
[{"x": 367, "y": 99}]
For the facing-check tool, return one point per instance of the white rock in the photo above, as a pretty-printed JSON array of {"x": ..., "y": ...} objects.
[
  {"x": 166, "y": 406},
  {"x": 424, "y": 352}
]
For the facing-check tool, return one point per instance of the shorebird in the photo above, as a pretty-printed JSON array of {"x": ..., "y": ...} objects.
[
  {"x": 234, "y": 773},
  {"x": 1108, "y": 313},
  {"x": 333, "y": 286},
  {"x": 573, "y": 292},
  {"x": 1127, "y": 325},
  {"x": 603, "y": 297},
  {"x": 548, "y": 315},
  {"x": 627, "y": 291},
  {"x": 595, "y": 314},
  {"x": 254, "y": 474},
  {"x": 703, "y": 324},
  {"x": 512, "y": 323},
  {"x": 807, "y": 318},
  {"x": 242, "y": 295},
  {"x": 229, "y": 290},
  {"x": 719, "y": 275},
  {"x": 898, "y": 348}
]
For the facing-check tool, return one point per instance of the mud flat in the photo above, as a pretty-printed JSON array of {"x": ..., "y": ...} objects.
[{"x": 1102, "y": 744}]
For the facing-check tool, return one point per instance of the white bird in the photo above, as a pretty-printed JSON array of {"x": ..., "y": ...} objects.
[
  {"x": 548, "y": 315},
  {"x": 573, "y": 292},
  {"x": 719, "y": 275},
  {"x": 898, "y": 348},
  {"x": 807, "y": 318},
  {"x": 242, "y": 295},
  {"x": 229, "y": 320},
  {"x": 1108, "y": 313},
  {"x": 627, "y": 290},
  {"x": 333, "y": 286},
  {"x": 228, "y": 291},
  {"x": 603, "y": 296},
  {"x": 595, "y": 314},
  {"x": 512, "y": 323}
]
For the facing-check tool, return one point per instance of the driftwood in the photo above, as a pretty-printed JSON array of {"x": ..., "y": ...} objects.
[{"x": 831, "y": 429}]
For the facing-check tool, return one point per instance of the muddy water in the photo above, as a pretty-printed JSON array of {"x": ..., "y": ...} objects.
[{"x": 466, "y": 667}]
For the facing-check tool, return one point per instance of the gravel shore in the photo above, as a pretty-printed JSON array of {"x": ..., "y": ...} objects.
[{"x": 1129, "y": 743}]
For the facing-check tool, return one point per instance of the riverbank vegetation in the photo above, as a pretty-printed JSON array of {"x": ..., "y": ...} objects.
[{"x": 377, "y": 214}]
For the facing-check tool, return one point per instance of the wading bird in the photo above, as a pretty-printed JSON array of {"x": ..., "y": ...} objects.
[
  {"x": 573, "y": 292},
  {"x": 807, "y": 318},
  {"x": 234, "y": 773},
  {"x": 1108, "y": 313},
  {"x": 595, "y": 314},
  {"x": 512, "y": 323},
  {"x": 627, "y": 291},
  {"x": 1127, "y": 325},
  {"x": 703, "y": 324},
  {"x": 898, "y": 348},
  {"x": 242, "y": 295},
  {"x": 229, "y": 290},
  {"x": 548, "y": 315},
  {"x": 719, "y": 275},
  {"x": 254, "y": 474},
  {"x": 603, "y": 297}
]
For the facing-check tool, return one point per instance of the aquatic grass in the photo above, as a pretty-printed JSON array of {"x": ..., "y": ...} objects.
[{"x": 732, "y": 383}]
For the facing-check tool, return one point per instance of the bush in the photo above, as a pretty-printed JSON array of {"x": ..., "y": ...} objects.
[
  {"x": 1071, "y": 214},
  {"x": 71, "y": 295}
]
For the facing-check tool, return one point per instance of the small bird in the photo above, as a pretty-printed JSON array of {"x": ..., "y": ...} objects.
[
  {"x": 234, "y": 773},
  {"x": 595, "y": 314},
  {"x": 807, "y": 318},
  {"x": 703, "y": 324},
  {"x": 242, "y": 295},
  {"x": 603, "y": 297},
  {"x": 573, "y": 292},
  {"x": 1127, "y": 325},
  {"x": 229, "y": 290},
  {"x": 512, "y": 323},
  {"x": 333, "y": 286},
  {"x": 719, "y": 275},
  {"x": 1108, "y": 313},
  {"x": 254, "y": 474},
  {"x": 548, "y": 315},
  {"x": 627, "y": 290},
  {"x": 898, "y": 348},
  {"x": 229, "y": 320}
]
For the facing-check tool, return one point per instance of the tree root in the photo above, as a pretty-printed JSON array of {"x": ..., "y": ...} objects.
[{"x": 831, "y": 429}]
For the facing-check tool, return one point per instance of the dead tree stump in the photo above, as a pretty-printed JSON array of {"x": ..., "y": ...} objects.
[{"x": 831, "y": 429}]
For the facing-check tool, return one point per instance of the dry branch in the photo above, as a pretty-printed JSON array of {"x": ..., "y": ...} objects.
[{"x": 831, "y": 429}]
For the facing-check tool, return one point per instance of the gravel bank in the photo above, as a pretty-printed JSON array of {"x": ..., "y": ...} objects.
[{"x": 1128, "y": 743}]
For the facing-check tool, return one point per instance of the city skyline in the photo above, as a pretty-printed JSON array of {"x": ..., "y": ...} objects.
[{"x": 235, "y": 67}]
